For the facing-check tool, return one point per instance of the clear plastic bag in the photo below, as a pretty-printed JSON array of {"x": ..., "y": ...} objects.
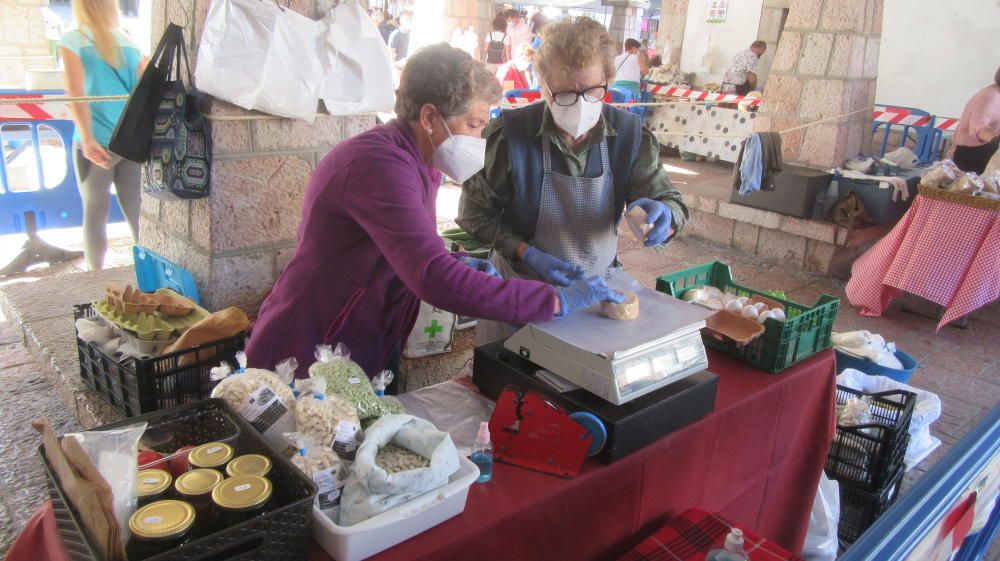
[
  {"x": 940, "y": 175},
  {"x": 114, "y": 453},
  {"x": 346, "y": 379},
  {"x": 325, "y": 417},
  {"x": 324, "y": 467},
  {"x": 261, "y": 397},
  {"x": 821, "y": 539}
]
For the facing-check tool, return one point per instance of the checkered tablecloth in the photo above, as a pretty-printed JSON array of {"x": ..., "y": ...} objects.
[
  {"x": 694, "y": 533},
  {"x": 942, "y": 251}
]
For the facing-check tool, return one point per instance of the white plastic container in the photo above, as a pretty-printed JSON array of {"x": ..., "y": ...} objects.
[{"x": 362, "y": 540}]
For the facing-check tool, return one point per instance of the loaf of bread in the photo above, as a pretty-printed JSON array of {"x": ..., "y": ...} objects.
[{"x": 629, "y": 309}]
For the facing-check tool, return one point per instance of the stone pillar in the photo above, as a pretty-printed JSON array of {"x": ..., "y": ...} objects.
[
  {"x": 826, "y": 65},
  {"x": 23, "y": 44},
  {"x": 237, "y": 241},
  {"x": 670, "y": 36},
  {"x": 625, "y": 24}
]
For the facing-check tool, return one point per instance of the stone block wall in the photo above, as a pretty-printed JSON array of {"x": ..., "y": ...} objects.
[
  {"x": 22, "y": 41},
  {"x": 237, "y": 241},
  {"x": 772, "y": 23},
  {"x": 825, "y": 65},
  {"x": 625, "y": 24}
]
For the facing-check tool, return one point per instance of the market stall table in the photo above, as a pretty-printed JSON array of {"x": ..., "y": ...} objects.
[
  {"x": 756, "y": 460},
  {"x": 943, "y": 251}
]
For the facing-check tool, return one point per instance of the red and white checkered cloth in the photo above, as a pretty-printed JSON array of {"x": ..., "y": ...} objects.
[
  {"x": 694, "y": 533},
  {"x": 945, "y": 252}
]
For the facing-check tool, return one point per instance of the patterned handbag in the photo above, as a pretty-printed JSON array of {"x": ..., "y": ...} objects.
[{"x": 180, "y": 158}]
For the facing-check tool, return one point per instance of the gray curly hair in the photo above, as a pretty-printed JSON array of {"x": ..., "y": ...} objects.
[{"x": 445, "y": 77}]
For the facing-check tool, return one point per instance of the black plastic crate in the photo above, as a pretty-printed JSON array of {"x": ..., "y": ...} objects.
[
  {"x": 860, "y": 508},
  {"x": 869, "y": 455},
  {"x": 135, "y": 386},
  {"x": 281, "y": 534}
]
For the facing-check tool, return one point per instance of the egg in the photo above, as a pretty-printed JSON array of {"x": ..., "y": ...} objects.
[
  {"x": 694, "y": 295},
  {"x": 749, "y": 312},
  {"x": 760, "y": 306},
  {"x": 713, "y": 303},
  {"x": 734, "y": 306},
  {"x": 743, "y": 300},
  {"x": 779, "y": 314},
  {"x": 765, "y": 315}
]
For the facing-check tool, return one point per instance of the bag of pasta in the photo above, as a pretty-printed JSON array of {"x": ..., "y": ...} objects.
[
  {"x": 261, "y": 397},
  {"x": 324, "y": 467},
  {"x": 326, "y": 417}
]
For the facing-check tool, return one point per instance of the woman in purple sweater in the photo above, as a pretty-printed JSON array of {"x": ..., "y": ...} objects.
[{"x": 368, "y": 249}]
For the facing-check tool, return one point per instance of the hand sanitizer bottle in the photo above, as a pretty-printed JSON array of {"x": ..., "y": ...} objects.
[
  {"x": 732, "y": 550},
  {"x": 482, "y": 453}
]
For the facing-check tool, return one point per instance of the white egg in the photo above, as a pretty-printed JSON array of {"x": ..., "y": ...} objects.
[
  {"x": 713, "y": 292},
  {"x": 766, "y": 314},
  {"x": 779, "y": 314},
  {"x": 713, "y": 303},
  {"x": 760, "y": 306},
  {"x": 743, "y": 300},
  {"x": 734, "y": 306},
  {"x": 750, "y": 312}
]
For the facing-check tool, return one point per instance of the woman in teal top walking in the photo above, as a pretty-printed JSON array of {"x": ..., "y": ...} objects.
[{"x": 100, "y": 60}]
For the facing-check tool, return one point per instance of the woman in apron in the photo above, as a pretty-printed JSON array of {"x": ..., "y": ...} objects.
[{"x": 559, "y": 174}]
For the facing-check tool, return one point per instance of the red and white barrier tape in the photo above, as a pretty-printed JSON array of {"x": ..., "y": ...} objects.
[{"x": 59, "y": 110}]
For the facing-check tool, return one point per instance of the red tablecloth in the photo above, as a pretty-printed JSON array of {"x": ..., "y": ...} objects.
[
  {"x": 694, "y": 533},
  {"x": 756, "y": 460},
  {"x": 942, "y": 251}
]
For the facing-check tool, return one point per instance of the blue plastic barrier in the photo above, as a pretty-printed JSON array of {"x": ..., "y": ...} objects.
[
  {"x": 58, "y": 206},
  {"x": 926, "y": 139}
]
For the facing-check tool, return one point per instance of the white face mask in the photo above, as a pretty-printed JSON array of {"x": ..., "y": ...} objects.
[
  {"x": 576, "y": 119},
  {"x": 460, "y": 156}
]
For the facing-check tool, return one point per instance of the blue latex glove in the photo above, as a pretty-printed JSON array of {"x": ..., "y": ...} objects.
[
  {"x": 584, "y": 294},
  {"x": 660, "y": 216},
  {"x": 554, "y": 271},
  {"x": 481, "y": 265}
]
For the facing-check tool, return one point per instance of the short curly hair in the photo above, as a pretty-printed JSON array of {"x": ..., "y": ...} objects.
[
  {"x": 573, "y": 43},
  {"x": 445, "y": 77}
]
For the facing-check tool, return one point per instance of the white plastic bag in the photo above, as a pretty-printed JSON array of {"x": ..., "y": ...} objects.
[
  {"x": 821, "y": 540},
  {"x": 263, "y": 56},
  {"x": 432, "y": 334},
  {"x": 357, "y": 63},
  {"x": 114, "y": 452},
  {"x": 926, "y": 410},
  {"x": 371, "y": 490}
]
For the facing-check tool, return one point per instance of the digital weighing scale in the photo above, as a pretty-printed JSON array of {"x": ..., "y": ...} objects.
[
  {"x": 642, "y": 378},
  {"x": 620, "y": 360}
]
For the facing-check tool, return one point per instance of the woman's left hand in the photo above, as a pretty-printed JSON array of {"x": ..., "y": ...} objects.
[
  {"x": 481, "y": 265},
  {"x": 660, "y": 216},
  {"x": 96, "y": 153}
]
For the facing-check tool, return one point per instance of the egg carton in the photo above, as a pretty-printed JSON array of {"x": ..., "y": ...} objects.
[{"x": 145, "y": 326}]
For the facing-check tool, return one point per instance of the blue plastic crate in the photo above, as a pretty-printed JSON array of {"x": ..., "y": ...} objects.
[
  {"x": 153, "y": 272},
  {"x": 872, "y": 368}
]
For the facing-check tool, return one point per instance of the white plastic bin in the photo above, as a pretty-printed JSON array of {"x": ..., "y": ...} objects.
[{"x": 362, "y": 540}]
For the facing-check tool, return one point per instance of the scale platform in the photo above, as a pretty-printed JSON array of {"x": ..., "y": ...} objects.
[
  {"x": 630, "y": 426},
  {"x": 620, "y": 360}
]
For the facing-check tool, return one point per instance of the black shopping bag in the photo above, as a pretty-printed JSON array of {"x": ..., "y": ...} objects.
[{"x": 134, "y": 131}]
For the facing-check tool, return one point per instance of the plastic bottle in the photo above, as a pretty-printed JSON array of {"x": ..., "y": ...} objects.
[
  {"x": 732, "y": 549},
  {"x": 482, "y": 453}
]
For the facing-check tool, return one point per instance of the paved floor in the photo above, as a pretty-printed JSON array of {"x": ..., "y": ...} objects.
[{"x": 962, "y": 366}]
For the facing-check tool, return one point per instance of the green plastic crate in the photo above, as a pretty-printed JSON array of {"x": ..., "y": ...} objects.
[{"x": 805, "y": 331}]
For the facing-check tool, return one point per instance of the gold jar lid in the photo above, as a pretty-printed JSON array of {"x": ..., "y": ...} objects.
[
  {"x": 211, "y": 455},
  {"x": 162, "y": 520},
  {"x": 242, "y": 492},
  {"x": 153, "y": 482},
  {"x": 253, "y": 464},
  {"x": 197, "y": 482}
]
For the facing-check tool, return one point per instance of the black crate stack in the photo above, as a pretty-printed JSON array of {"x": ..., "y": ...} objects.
[{"x": 867, "y": 459}]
